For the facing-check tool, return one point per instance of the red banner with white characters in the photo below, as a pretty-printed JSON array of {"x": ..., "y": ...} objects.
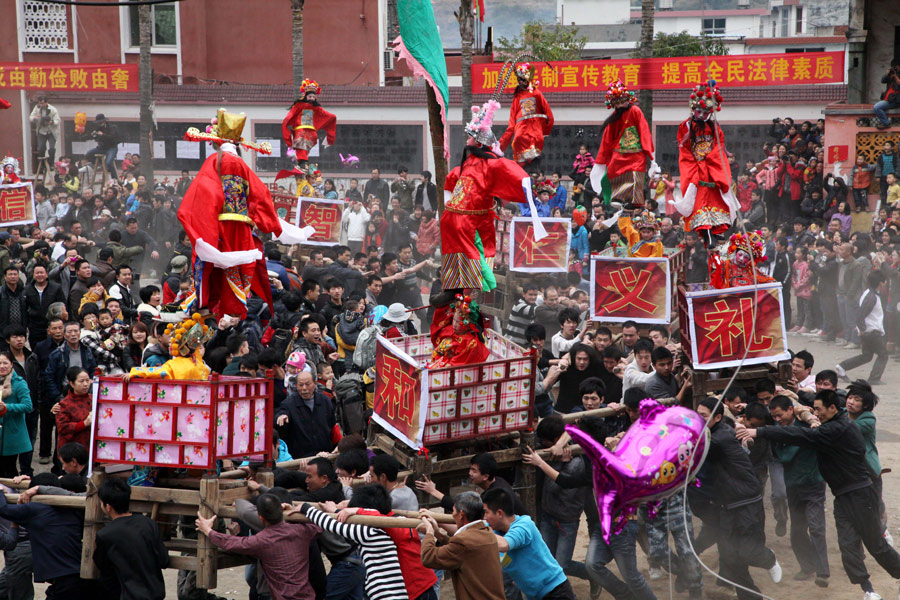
[
  {"x": 685, "y": 72},
  {"x": 16, "y": 204},
  {"x": 68, "y": 77},
  {"x": 722, "y": 326},
  {"x": 324, "y": 216},
  {"x": 401, "y": 396},
  {"x": 549, "y": 255},
  {"x": 631, "y": 289}
]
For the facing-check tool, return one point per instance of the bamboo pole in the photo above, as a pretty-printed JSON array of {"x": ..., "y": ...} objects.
[{"x": 371, "y": 521}]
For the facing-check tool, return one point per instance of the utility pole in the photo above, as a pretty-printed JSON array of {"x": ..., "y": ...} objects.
[
  {"x": 145, "y": 24},
  {"x": 645, "y": 97},
  {"x": 297, "y": 41}
]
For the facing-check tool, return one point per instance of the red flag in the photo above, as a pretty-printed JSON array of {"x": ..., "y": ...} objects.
[{"x": 479, "y": 9}]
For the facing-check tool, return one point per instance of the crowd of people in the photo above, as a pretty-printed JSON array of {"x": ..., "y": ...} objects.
[{"x": 84, "y": 288}]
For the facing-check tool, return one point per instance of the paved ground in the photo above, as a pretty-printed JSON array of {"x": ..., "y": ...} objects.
[{"x": 232, "y": 586}]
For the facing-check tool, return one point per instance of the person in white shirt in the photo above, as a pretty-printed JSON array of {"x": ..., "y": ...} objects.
[
  {"x": 801, "y": 369},
  {"x": 568, "y": 335},
  {"x": 355, "y": 221},
  {"x": 870, "y": 324},
  {"x": 638, "y": 370}
]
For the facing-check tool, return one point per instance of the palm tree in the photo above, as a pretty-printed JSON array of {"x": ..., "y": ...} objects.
[
  {"x": 297, "y": 40},
  {"x": 145, "y": 24}
]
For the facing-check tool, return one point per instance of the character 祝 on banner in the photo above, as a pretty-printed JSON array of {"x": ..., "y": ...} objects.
[
  {"x": 744, "y": 251},
  {"x": 10, "y": 170},
  {"x": 300, "y": 128},
  {"x": 708, "y": 202},
  {"x": 620, "y": 168},
  {"x": 220, "y": 210},
  {"x": 468, "y": 238},
  {"x": 530, "y": 119},
  {"x": 640, "y": 232},
  {"x": 457, "y": 332}
]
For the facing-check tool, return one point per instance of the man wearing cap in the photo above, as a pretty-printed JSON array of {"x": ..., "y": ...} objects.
[
  {"x": 103, "y": 268},
  {"x": 173, "y": 282},
  {"x": 107, "y": 137}
]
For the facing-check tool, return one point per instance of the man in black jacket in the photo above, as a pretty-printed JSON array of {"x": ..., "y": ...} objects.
[
  {"x": 40, "y": 293},
  {"x": 54, "y": 339},
  {"x": 107, "y": 138},
  {"x": 841, "y": 453},
  {"x": 121, "y": 291},
  {"x": 825, "y": 267},
  {"x": 305, "y": 419},
  {"x": 13, "y": 309},
  {"x": 698, "y": 259},
  {"x": 742, "y": 534}
]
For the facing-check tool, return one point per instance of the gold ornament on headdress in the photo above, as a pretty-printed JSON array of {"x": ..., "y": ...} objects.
[{"x": 187, "y": 336}]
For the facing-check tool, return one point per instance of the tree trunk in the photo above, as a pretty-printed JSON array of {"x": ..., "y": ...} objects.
[
  {"x": 145, "y": 23},
  {"x": 297, "y": 41},
  {"x": 646, "y": 51},
  {"x": 437, "y": 146},
  {"x": 467, "y": 34}
]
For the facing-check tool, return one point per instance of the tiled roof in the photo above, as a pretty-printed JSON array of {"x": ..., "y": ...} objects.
[{"x": 415, "y": 96}]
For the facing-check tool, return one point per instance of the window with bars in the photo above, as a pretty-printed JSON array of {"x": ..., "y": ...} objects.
[
  {"x": 713, "y": 26},
  {"x": 46, "y": 26},
  {"x": 164, "y": 30}
]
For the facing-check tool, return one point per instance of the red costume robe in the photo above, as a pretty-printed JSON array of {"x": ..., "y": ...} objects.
[
  {"x": 625, "y": 148},
  {"x": 530, "y": 119},
  {"x": 218, "y": 212},
  {"x": 707, "y": 201},
  {"x": 726, "y": 274},
  {"x": 470, "y": 211},
  {"x": 452, "y": 347},
  {"x": 7, "y": 178},
  {"x": 300, "y": 128}
]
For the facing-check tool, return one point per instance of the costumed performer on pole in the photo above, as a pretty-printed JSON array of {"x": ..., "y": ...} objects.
[
  {"x": 304, "y": 189},
  {"x": 10, "y": 173},
  {"x": 186, "y": 345},
  {"x": 457, "y": 332},
  {"x": 300, "y": 128},
  {"x": 707, "y": 200},
  {"x": 530, "y": 119},
  {"x": 626, "y": 147},
  {"x": 744, "y": 251},
  {"x": 468, "y": 239},
  {"x": 223, "y": 205},
  {"x": 639, "y": 232}
]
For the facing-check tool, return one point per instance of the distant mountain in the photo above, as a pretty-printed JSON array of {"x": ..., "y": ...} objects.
[{"x": 505, "y": 16}]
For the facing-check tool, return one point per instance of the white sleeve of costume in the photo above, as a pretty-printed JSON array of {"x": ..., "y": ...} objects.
[
  {"x": 733, "y": 203},
  {"x": 539, "y": 231},
  {"x": 598, "y": 172},
  {"x": 291, "y": 234},
  {"x": 612, "y": 220},
  {"x": 447, "y": 195},
  {"x": 685, "y": 206},
  {"x": 225, "y": 260}
]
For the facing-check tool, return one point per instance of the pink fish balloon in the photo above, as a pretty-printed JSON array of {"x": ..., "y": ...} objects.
[
  {"x": 651, "y": 462},
  {"x": 350, "y": 160}
]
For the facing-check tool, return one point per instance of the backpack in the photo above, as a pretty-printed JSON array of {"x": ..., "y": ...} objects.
[
  {"x": 364, "y": 353},
  {"x": 350, "y": 403}
]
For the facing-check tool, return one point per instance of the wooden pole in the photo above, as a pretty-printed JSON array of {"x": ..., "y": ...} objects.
[
  {"x": 93, "y": 521},
  {"x": 206, "y": 551},
  {"x": 437, "y": 145}
]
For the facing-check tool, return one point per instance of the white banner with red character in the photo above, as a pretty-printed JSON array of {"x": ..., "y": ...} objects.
[
  {"x": 16, "y": 204},
  {"x": 322, "y": 215}
]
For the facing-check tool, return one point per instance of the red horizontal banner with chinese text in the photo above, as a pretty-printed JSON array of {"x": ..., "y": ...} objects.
[
  {"x": 636, "y": 289},
  {"x": 325, "y": 217},
  {"x": 68, "y": 77},
  {"x": 16, "y": 204},
  {"x": 722, "y": 327},
  {"x": 742, "y": 70},
  {"x": 399, "y": 405},
  {"x": 549, "y": 255}
]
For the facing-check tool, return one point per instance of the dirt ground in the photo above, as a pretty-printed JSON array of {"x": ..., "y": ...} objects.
[{"x": 232, "y": 585}]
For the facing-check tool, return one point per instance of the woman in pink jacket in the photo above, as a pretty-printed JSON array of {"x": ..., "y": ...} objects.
[
  {"x": 428, "y": 237},
  {"x": 801, "y": 282}
]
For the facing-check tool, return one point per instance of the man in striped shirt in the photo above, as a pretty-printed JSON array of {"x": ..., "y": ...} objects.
[{"x": 522, "y": 314}]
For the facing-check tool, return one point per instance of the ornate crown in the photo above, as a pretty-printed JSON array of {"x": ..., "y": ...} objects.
[
  {"x": 189, "y": 335},
  {"x": 617, "y": 95},
  {"x": 525, "y": 71},
  {"x": 706, "y": 96},
  {"x": 226, "y": 127},
  {"x": 310, "y": 85},
  {"x": 645, "y": 220},
  {"x": 482, "y": 121},
  {"x": 750, "y": 242},
  {"x": 544, "y": 186}
]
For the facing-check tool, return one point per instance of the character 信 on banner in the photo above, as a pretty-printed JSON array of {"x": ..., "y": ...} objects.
[
  {"x": 548, "y": 255},
  {"x": 224, "y": 204},
  {"x": 708, "y": 202},
  {"x": 16, "y": 204},
  {"x": 626, "y": 148}
]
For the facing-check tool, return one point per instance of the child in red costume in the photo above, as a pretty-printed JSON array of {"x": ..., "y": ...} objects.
[
  {"x": 745, "y": 250},
  {"x": 300, "y": 128},
  {"x": 10, "y": 170},
  {"x": 224, "y": 203},
  {"x": 468, "y": 239},
  {"x": 625, "y": 149},
  {"x": 457, "y": 332},
  {"x": 708, "y": 202},
  {"x": 530, "y": 119}
]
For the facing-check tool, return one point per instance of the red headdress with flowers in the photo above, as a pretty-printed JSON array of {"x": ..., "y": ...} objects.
[
  {"x": 617, "y": 95},
  {"x": 645, "y": 220},
  {"x": 706, "y": 96},
  {"x": 310, "y": 85},
  {"x": 750, "y": 242}
]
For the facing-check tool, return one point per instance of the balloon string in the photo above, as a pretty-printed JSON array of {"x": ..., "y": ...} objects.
[{"x": 753, "y": 311}]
